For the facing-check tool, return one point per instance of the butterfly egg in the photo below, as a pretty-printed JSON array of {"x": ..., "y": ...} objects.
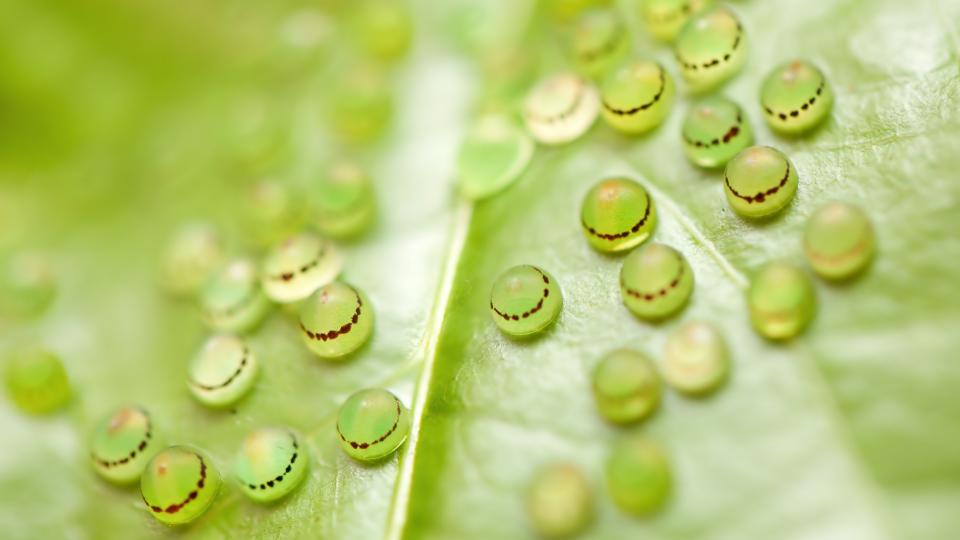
[
  {"x": 565, "y": 10},
  {"x": 838, "y": 241},
  {"x": 617, "y": 214},
  {"x": 560, "y": 108},
  {"x": 298, "y": 266},
  {"x": 508, "y": 69},
  {"x": 525, "y": 300},
  {"x": 664, "y": 18},
  {"x": 36, "y": 380},
  {"x": 598, "y": 42},
  {"x": 223, "y": 371},
  {"x": 192, "y": 255},
  {"x": 795, "y": 97},
  {"x": 28, "y": 285},
  {"x": 626, "y": 387},
  {"x": 270, "y": 464},
  {"x": 336, "y": 321},
  {"x": 559, "y": 501},
  {"x": 343, "y": 203},
  {"x": 232, "y": 301},
  {"x": 372, "y": 424},
  {"x": 361, "y": 104},
  {"x": 711, "y": 48},
  {"x": 638, "y": 475},
  {"x": 781, "y": 300},
  {"x": 637, "y": 96},
  {"x": 492, "y": 156},
  {"x": 272, "y": 210},
  {"x": 179, "y": 484},
  {"x": 695, "y": 360},
  {"x": 258, "y": 132},
  {"x": 714, "y": 131},
  {"x": 655, "y": 281},
  {"x": 123, "y": 443},
  {"x": 760, "y": 181},
  {"x": 384, "y": 28}
]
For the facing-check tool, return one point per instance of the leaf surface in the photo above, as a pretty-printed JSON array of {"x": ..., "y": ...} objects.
[{"x": 847, "y": 432}]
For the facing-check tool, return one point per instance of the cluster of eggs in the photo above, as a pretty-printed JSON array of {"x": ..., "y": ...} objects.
[{"x": 634, "y": 96}]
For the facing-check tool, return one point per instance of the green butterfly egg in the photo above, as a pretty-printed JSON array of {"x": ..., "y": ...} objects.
[
  {"x": 760, "y": 181},
  {"x": 232, "y": 300},
  {"x": 711, "y": 48},
  {"x": 564, "y": 10},
  {"x": 361, "y": 104},
  {"x": 664, "y": 18},
  {"x": 123, "y": 443},
  {"x": 637, "y": 96},
  {"x": 714, "y": 131},
  {"x": 179, "y": 484},
  {"x": 383, "y": 27},
  {"x": 655, "y": 281},
  {"x": 305, "y": 38},
  {"x": 273, "y": 210},
  {"x": 36, "y": 381},
  {"x": 270, "y": 463},
  {"x": 638, "y": 475},
  {"x": 28, "y": 285},
  {"x": 336, "y": 321},
  {"x": 781, "y": 301},
  {"x": 343, "y": 203},
  {"x": 525, "y": 300},
  {"x": 257, "y": 132},
  {"x": 838, "y": 240},
  {"x": 795, "y": 97},
  {"x": 559, "y": 501},
  {"x": 626, "y": 387},
  {"x": 298, "y": 266},
  {"x": 695, "y": 360},
  {"x": 617, "y": 214},
  {"x": 372, "y": 424},
  {"x": 560, "y": 108},
  {"x": 492, "y": 156},
  {"x": 192, "y": 256},
  {"x": 223, "y": 371},
  {"x": 507, "y": 74},
  {"x": 599, "y": 41}
]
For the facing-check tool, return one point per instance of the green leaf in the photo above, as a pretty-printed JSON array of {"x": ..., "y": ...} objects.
[{"x": 849, "y": 431}]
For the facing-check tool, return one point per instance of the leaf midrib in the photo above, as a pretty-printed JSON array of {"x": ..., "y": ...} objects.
[{"x": 427, "y": 355}]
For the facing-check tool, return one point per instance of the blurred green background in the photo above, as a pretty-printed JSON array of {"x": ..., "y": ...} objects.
[{"x": 120, "y": 121}]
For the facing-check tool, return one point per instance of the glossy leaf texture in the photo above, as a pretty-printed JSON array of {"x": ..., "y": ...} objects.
[{"x": 116, "y": 133}]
